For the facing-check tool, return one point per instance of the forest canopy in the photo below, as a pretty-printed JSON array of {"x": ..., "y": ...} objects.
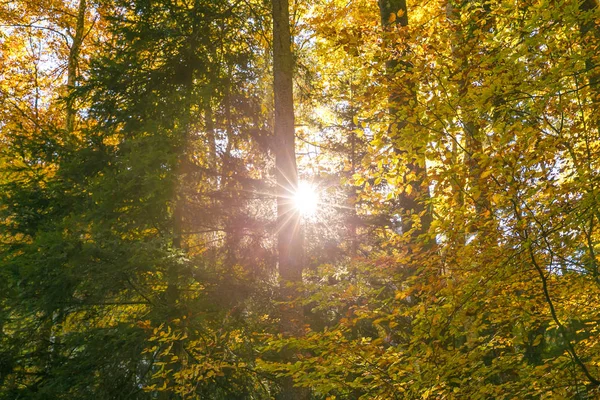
[{"x": 299, "y": 199}]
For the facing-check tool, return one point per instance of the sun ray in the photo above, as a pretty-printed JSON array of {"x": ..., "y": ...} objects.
[{"x": 288, "y": 217}]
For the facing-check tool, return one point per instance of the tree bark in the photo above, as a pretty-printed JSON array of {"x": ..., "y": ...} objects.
[
  {"x": 72, "y": 65},
  {"x": 289, "y": 236},
  {"x": 473, "y": 145},
  {"x": 412, "y": 202}
]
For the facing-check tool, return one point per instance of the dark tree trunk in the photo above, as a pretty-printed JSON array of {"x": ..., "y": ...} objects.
[
  {"x": 72, "y": 65},
  {"x": 412, "y": 201},
  {"x": 289, "y": 236}
]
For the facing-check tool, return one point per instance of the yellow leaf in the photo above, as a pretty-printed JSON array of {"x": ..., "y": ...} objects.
[{"x": 485, "y": 174}]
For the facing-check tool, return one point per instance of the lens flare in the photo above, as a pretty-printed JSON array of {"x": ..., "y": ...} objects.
[{"x": 306, "y": 199}]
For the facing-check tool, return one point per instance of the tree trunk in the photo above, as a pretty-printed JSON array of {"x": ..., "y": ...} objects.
[
  {"x": 51, "y": 326},
  {"x": 473, "y": 145},
  {"x": 289, "y": 236},
  {"x": 411, "y": 201},
  {"x": 72, "y": 65}
]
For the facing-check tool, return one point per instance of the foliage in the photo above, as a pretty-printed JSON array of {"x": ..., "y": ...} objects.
[{"x": 138, "y": 245}]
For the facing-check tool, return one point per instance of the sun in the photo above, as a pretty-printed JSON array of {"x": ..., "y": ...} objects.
[{"x": 306, "y": 199}]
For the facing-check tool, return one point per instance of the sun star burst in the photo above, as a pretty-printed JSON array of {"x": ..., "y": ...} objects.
[{"x": 306, "y": 199}]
